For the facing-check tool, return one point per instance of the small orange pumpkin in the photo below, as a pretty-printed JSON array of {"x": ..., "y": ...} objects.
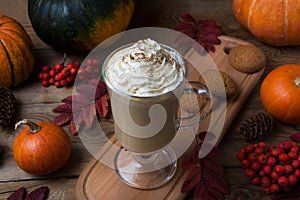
[
  {"x": 16, "y": 52},
  {"x": 280, "y": 93},
  {"x": 41, "y": 148},
  {"x": 276, "y": 23}
]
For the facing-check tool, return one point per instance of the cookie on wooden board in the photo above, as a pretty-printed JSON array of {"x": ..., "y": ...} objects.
[
  {"x": 217, "y": 81},
  {"x": 247, "y": 58},
  {"x": 194, "y": 103}
]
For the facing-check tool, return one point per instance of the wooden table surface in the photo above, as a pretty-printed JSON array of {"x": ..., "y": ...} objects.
[{"x": 36, "y": 102}]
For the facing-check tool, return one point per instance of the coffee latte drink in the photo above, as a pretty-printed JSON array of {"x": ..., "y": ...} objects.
[{"x": 145, "y": 81}]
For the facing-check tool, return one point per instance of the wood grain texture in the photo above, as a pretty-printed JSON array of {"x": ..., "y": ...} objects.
[{"x": 36, "y": 102}]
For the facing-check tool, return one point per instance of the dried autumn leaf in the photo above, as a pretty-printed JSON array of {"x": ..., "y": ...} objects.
[
  {"x": 188, "y": 18},
  {"x": 201, "y": 191},
  {"x": 91, "y": 99},
  {"x": 102, "y": 106},
  {"x": 212, "y": 164},
  {"x": 62, "y": 119},
  {"x": 38, "y": 194},
  {"x": 73, "y": 127},
  {"x": 67, "y": 100},
  {"x": 295, "y": 136},
  {"x": 19, "y": 194},
  {"x": 212, "y": 184},
  {"x": 185, "y": 27},
  {"x": 192, "y": 179},
  {"x": 205, "y": 32},
  {"x": 65, "y": 108}
]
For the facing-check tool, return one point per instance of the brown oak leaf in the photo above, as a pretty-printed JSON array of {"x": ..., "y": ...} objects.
[
  {"x": 206, "y": 176},
  {"x": 91, "y": 100},
  {"x": 205, "y": 32}
]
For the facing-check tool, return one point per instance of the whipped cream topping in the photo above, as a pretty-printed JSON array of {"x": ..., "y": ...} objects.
[{"x": 145, "y": 69}]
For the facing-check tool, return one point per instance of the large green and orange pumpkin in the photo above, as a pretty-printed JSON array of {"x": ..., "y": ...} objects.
[
  {"x": 16, "y": 52},
  {"x": 276, "y": 23},
  {"x": 78, "y": 26}
]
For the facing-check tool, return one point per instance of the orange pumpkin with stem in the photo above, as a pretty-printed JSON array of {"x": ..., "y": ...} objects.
[
  {"x": 276, "y": 23},
  {"x": 280, "y": 93},
  {"x": 41, "y": 148}
]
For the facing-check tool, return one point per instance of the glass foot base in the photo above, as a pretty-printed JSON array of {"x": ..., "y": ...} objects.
[{"x": 146, "y": 171}]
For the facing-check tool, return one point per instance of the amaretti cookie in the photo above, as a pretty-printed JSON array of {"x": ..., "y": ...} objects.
[
  {"x": 247, "y": 58},
  {"x": 218, "y": 81}
]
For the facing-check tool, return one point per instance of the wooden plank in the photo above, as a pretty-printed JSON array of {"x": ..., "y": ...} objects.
[
  {"x": 60, "y": 188},
  {"x": 100, "y": 181}
]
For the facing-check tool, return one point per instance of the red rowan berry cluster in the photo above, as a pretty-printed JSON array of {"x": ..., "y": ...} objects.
[
  {"x": 276, "y": 168},
  {"x": 89, "y": 70},
  {"x": 59, "y": 75}
]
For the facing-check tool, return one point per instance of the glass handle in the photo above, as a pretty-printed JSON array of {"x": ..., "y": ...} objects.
[{"x": 200, "y": 111}]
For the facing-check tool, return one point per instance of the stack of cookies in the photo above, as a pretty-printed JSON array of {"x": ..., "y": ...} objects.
[{"x": 247, "y": 59}]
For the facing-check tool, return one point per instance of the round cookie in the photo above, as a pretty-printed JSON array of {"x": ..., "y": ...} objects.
[
  {"x": 247, "y": 58},
  {"x": 216, "y": 81},
  {"x": 193, "y": 103}
]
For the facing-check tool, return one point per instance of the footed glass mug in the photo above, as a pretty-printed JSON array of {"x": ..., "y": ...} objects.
[{"x": 146, "y": 117}]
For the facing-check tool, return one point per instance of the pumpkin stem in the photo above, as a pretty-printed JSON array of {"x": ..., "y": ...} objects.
[
  {"x": 34, "y": 128},
  {"x": 297, "y": 81}
]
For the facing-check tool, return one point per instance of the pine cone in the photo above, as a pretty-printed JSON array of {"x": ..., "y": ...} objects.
[
  {"x": 257, "y": 125},
  {"x": 7, "y": 107}
]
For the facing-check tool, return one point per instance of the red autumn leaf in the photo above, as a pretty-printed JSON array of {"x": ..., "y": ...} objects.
[
  {"x": 192, "y": 179},
  {"x": 86, "y": 91},
  {"x": 38, "y": 194},
  {"x": 185, "y": 27},
  {"x": 188, "y": 18},
  {"x": 212, "y": 184},
  {"x": 91, "y": 99},
  {"x": 213, "y": 165},
  {"x": 66, "y": 108},
  {"x": 207, "y": 22},
  {"x": 62, "y": 119},
  {"x": 215, "y": 194},
  {"x": 215, "y": 180},
  {"x": 201, "y": 191},
  {"x": 192, "y": 160},
  {"x": 200, "y": 31},
  {"x": 209, "y": 30},
  {"x": 210, "y": 38},
  {"x": 187, "y": 163},
  {"x": 67, "y": 100},
  {"x": 101, "y": 89},
  {"x": 295, "y": 136},
  {"x": 200, "y": 136},
  {"x": 19, "y": 194},
  {"x": 86, "y": 115},
  {"x": 79, "y": 102},
  {"x": 102, "y": 106},
  {"x": 208, "y": 46},
  {"x": 73, "y": 127}
]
